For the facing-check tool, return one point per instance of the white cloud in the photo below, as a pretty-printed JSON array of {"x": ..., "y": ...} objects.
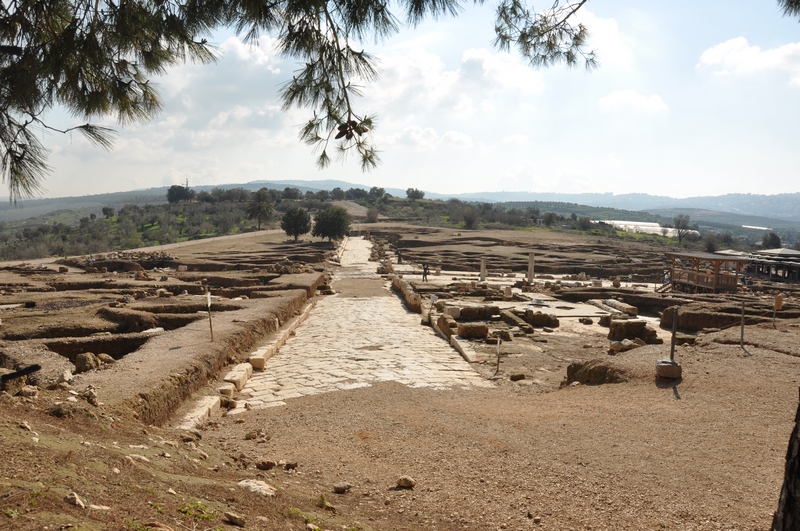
[
  {"x": 516, "y": 140},
  {"x": 501, "y": 71},
  {"x": 632, "y": 100},
  {"x": 456, "y": 140},
  {"x": 737, "y": 56},
  {"x": 263, "y": 52},
  {"x": 428, "y": 140},
  {"x": 607, "y": 41}
]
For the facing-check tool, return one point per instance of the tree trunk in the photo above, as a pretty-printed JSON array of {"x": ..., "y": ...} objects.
[{"x": 787, "y": 517}]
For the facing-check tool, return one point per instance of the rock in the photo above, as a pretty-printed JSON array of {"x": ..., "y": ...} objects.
[
  {"x": 137, "y": 457},
  {"x": 446, "y": 323},
  {"x": 623, "y": 346},
  {"x": 585, "y": 320},
  {"x": 265, "y": 465},
  {"x": 290, "y": 465},
  {"x": 86, "y": 361},
  {"x": 504, "y": 335},
  {"x": 258, "y": 487},
  {"x": 73, "y": 499},
  {"x": 516, "y": 377},
  {"x": 473, "y": 330},
  {"x": 105, "y": 358},
  {"x": 14, "y": 385},
  {"x": 250, "y": 435},
  {"x": 453, "y": 311},
  {"x": 406, "y": 482},
  {"x": 668, "y": 369},
  {"x": 632, "y": 329},
  {"x": 65, "y": 376},
  {"x": 537, "y": 318},
  {"x": 234, "y": 519},
  {"x": 90, "y": 395},
  {"x": 548, "y": 330},
  {"x": 341, "y": 488},
  {"x": 99, "y": 507},
  {"x": 29, "y": 391}
]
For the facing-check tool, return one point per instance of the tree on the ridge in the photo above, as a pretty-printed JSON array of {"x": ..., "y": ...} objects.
[
  {"x": 414, "y": 194},
  {"x": 332, "y": 223},
  {"x": 296, "y": 221},
  {"x": 682, "y": 223},
  {"x": 177, "y": 193},
  {"x": 260, "y": 207}
]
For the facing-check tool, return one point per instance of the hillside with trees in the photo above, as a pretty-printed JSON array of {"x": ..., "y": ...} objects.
[{"x": 189, "y": 214}]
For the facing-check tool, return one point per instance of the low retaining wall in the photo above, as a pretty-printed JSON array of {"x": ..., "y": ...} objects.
[{"x": 410, "y": 297}]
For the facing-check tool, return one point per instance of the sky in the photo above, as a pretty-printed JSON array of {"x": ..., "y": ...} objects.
[{"x": 690, "y": 98}]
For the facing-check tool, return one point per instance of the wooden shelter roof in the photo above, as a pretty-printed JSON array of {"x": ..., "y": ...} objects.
[{"x": 711, "y": 257}]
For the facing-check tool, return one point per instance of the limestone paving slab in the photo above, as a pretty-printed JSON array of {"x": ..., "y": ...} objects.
[{"x": 349, "y": 343}]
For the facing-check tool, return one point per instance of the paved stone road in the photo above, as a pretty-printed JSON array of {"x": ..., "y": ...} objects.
[{"x": 348, "y": 343}]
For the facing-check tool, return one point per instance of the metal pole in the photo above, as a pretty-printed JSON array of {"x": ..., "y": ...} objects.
[
  {"x": 741, "y": 337},
  {"x": 674, "y": 330},
  {"x": 210, "y": 326}
]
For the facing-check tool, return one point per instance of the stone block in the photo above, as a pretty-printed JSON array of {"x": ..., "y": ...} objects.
[
  {"x": 226, "y": 389},
  {"x": 470, "y": 313},
  {"x": 246, "y": 367},
  {"x": 486, "y": 312},
  {"x": 257, "y": 361},
  {"x": 453, "y": 311},
  {"x": 473, "y": 330},
  {"x": 668, "y": 369},
  {"x": 537, "y": 318},
  {"x": 238, "y": 377},
  {"x": 446, "y": 323},
  {"x": 182, "y": 268}
]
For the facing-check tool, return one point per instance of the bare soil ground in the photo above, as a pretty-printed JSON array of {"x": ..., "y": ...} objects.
[{"x": 706, "y": 452}]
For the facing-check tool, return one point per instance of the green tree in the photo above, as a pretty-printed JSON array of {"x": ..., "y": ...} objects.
[
  {"x": 414, "y": 194},
  {"x": 108, "y": 212},
  {"x": 296, "y": 221},
  {"x": 332, "y": 223},
  {"x": 682, "y": 224},
  {"x": 291, "y": 193},
  {"x": 711, "y": 243},
  {"x": 94, "y": 58},
  {"x": 471, "y": 218},
  {"x": 771, "y": 240},
  {"x": 177, "y": 193},
  {"x": 260, "y": 207},
  {"x": 549, "y": 218},
  {"x": 375, "y": 193}
]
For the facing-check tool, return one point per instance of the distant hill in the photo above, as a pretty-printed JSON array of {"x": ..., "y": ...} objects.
[
  {"x": 778, "y": 206},
  {"x": 779, "y": 211}
]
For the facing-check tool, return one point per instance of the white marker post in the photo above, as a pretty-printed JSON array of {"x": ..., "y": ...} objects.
[
  {"x": 210, "y": 326},
  {"x": 531, "y": 264}
]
